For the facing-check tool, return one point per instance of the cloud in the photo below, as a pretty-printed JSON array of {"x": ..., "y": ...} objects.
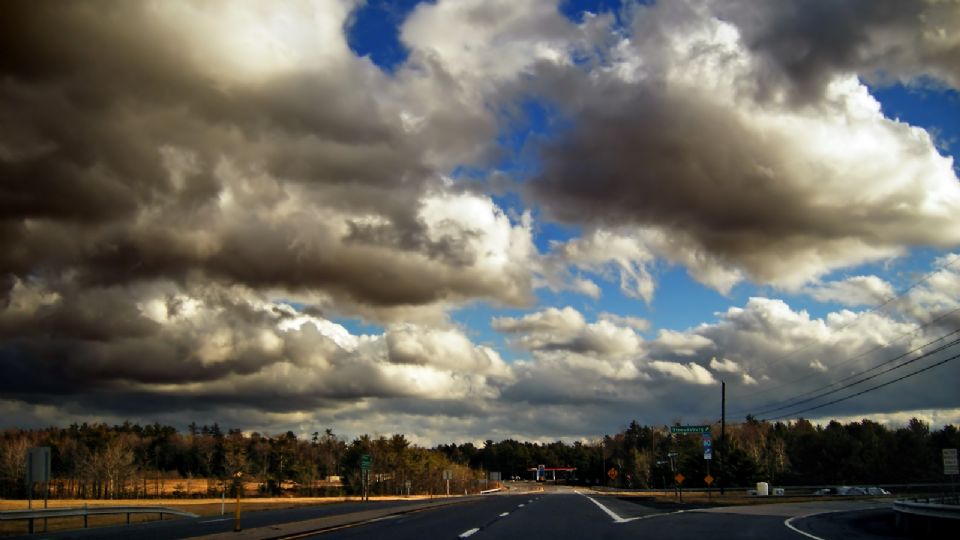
[
  {"x": 802, "y": 45},
  {"x": 566, "y": 330},
  {"x": 691, "y": 373},
  {"x": 279, "y": 160},
  {"x": 672, "y": 136},
  {"x": 638, "y": 324},
  {"x": 729, "y": 366},
  {"x": 853, "y": 291},
  {"x": 197, "y": 195},
  {"x": 679, "y": 343},
  {"x": 609, "y": 254}
]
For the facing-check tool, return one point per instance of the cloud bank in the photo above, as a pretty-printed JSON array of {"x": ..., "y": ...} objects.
[{"x": 196, "y": 196}]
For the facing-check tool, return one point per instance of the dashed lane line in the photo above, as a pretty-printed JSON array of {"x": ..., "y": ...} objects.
[
  {"x": 468, "y": 534},
  {"x": 471, "y": 532}
]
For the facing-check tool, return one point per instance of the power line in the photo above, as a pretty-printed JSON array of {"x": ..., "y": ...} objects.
[
  {"x": 872, "y": 388},
  {"x": 858, "y": 356},
  {"x": 871, "y": 377},
  {"x": 954, "y": 260}
]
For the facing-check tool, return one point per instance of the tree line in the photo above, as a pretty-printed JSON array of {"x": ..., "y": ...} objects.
[{"x": 130, "y": 460}]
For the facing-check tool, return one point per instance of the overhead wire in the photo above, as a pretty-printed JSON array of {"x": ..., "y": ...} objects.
[
  {"x": 870, "y": 377},
  {"x": 915, "y": 331},
  {"x": 927, "y": 276},
  {"x": 872, "y": 388}
]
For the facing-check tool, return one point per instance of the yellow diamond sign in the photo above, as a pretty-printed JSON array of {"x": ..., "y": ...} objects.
[
  {"x": 679, "y": 478},
  {"x": 612, "y": 473},
  {"x": 708, "y": 479}
]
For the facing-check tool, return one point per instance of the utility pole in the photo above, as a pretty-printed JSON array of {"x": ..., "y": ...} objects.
[{"x": 723, "y": 433}]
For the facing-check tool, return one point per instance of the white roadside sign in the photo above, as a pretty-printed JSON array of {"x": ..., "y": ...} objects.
[{"x": 950, "y": 465}]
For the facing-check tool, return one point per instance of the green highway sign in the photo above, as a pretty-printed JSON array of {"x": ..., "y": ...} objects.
[
  {"x": 366, "y": 462},
  {"x": 689, "y": 429}
]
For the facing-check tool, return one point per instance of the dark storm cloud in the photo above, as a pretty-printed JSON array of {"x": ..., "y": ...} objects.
[
  {"x": 123, "y": 138},
  {"x": 806, "y": 43}
]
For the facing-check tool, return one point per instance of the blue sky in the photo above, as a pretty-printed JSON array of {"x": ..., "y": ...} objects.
[{"x": 465, "y": 220}]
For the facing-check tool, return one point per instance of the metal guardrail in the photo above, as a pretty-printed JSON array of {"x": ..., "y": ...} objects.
[
  {"x": 931, "y": 507},
  {"x": 86, "y": 512}
]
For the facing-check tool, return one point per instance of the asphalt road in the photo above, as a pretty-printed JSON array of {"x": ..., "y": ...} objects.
[
  {"x": 570, "y": 514},
  {"x": 560, "y": 513}
]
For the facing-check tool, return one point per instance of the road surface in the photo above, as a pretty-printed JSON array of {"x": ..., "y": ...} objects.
[{"x": 556, "y": 514}]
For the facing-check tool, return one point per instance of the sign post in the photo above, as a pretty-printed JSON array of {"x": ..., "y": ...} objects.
[
  {"x": 38, "y": 470},
  {"x": 366, "y": 462},
  {"x": 708, "y": 456},
  {"x": 447, "y": 475},
  {"x": 238, "y": 484}
]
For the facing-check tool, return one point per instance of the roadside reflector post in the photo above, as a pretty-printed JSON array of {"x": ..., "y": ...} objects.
[{"x": 236, "y": 515}]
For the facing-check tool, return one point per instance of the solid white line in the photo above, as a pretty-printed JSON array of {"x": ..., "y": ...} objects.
[
  {"x": 618, "y": 519},
  {"x": 216, "y": 520},
  {"x": 790, "y": 526},
  {"x": 468, "y": 534},
  {"x": 505, "y": 514},
  {"x": 794, "y": 529},
  {"x": 611, "y": 513}
]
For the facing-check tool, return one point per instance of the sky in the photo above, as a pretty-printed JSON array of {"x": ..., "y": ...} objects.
[{"x": 478, "y": 219}]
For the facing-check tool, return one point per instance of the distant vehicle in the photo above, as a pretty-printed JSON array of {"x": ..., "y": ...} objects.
[{"x": 850, "y": 491}]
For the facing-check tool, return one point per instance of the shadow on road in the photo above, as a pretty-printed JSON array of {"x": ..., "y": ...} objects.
[{"x": 660, "y": 505}]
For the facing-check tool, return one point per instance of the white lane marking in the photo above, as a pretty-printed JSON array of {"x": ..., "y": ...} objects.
[
  {"x": 789, "y": 521},
  {"x": 618, "y": 519},
  {"x": 521, "y": 505},
  {"x": 505, "y": 514},
  {"x": 794, "y": 529},
  {"x": 611, "y": 513},
  {"x": 530, "y": 501},
  {"x": 216, "y": 520},
  {"x": 468, "y": 534}
]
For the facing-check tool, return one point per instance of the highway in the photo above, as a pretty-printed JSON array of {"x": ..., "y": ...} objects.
[{"x": 558, "y": 513}]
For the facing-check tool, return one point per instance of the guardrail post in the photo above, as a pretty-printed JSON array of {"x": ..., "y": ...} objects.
[
  {"x": 128, "y": 518},
  {"x": 30, "y": 526}
]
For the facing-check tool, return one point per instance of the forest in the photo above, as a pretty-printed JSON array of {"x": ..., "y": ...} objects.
[{"x": 133, "y": 461}]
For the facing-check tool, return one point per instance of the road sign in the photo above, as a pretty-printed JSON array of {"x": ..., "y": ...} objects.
[
  {"x": 494, "y": 476},
  {"x": 38, "y": 464},
  {"x": 708, "y": 453},
  {"x": 612, "y": 473},
  {"x": 689, "y": 429},
  {"x": 366, "y": 462},
  {"x": 950, "y": 465},
  {"x": 708, "y": 479},
  {"x": 679, "y": 478},
  {"x": 448, "y": 474}
]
